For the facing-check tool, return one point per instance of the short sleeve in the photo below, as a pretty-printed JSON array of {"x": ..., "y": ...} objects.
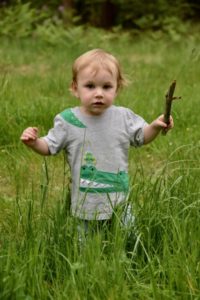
[
  {"x": 57, "y": 136},
  {"x": 135, "y": 127}
]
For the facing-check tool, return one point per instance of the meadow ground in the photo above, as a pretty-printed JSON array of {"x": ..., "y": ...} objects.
[{"x": 40, "y": 253}]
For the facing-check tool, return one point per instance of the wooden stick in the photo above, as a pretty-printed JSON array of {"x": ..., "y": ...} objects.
[{"x": 168, "y": 103}]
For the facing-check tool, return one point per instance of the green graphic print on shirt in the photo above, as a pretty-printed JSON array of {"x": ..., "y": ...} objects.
[{"x": 93, "y": 180}]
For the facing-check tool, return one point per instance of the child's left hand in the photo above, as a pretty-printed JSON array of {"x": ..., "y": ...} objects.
[
  {"x": 165, "y": 127},
  {"x": 152, "y": 130}
]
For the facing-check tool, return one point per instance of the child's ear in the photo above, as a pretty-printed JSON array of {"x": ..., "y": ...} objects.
[{"x": 74, "y": 89}]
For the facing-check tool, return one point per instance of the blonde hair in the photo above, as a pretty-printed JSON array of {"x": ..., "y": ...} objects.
[{"x": 98, "y": 58}]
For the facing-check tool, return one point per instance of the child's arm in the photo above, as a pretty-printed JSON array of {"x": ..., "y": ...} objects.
[
  {"x": 30, "y": 138},
  {"x": 152, "y": 130}
]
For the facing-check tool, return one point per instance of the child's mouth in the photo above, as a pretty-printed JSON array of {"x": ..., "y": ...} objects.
[{"x": 98, "y": 103}]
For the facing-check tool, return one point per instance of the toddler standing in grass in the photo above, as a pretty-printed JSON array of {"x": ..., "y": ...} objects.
[{"x": 96, "y": 137}]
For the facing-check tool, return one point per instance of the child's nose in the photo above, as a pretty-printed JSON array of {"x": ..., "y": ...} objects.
[{"x": 99, "y": 92}]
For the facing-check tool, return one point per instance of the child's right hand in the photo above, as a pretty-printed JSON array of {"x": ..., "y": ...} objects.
[{"x": 29, "y": 136}]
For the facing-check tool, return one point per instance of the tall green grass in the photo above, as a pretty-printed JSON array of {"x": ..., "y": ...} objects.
[{"x": 41, "y": 253}]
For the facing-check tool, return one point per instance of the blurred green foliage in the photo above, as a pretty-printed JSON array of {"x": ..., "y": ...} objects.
[{"x": 21, "y": 18}]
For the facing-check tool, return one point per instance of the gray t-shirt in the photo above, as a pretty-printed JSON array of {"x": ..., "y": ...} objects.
[{"x": 97, "y": 152}]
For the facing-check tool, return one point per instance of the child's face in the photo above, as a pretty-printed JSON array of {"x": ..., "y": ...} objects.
[{"x": 96, "y": 90}]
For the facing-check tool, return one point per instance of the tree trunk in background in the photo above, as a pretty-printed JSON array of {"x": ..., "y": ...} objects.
[
  {"x": 97, "y": 13},
  {"x": 108, "y": 14},
  {"x": 68, "y": 4}
]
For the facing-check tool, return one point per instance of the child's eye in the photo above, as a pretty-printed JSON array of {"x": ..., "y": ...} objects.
[
  {"x": 107, "y": 86},
  {"x": 90, "y": 86}
]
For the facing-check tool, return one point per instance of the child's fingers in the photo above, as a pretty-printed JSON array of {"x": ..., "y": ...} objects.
[
  {"x": 168, "y": 126},
  {"x": 35, "y": 129},
  {"x": 29, "y": 134},
  {"x": 164, "y": 125}
]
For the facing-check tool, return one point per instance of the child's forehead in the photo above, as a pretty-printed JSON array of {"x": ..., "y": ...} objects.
[
  {"x": 98, "y": 67},
  {"x": 97, "y": 73}
]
